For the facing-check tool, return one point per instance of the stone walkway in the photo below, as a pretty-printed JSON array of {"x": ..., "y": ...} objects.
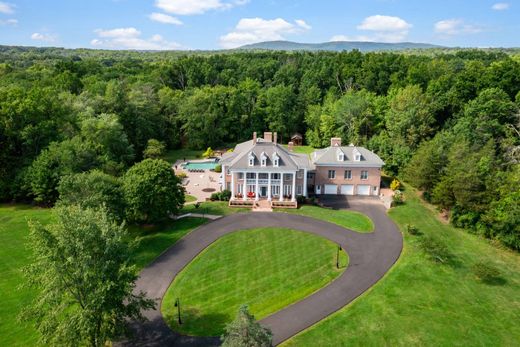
[{"x": 371, "y": 256}]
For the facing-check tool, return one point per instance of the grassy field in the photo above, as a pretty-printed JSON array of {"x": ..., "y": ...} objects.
[
  {"x": 13, "y": 253},
  {"x": 180, "y": 154},
  {"x": 213, "y": 207},
  {"x": 302, "y": 149},
  {"x": 420, "y": 302},
  {"x": 227, "y": 274},
  {"x": 347, "y": 219},
  {"x": 152, "y": 241},
  {"x": 189, "y": 198}
]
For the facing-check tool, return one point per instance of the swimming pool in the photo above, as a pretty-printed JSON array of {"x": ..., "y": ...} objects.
[{"x": 201, "y": 165}]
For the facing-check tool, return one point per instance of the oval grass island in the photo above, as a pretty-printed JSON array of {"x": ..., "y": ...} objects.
[{"x": 265, "y": 268}]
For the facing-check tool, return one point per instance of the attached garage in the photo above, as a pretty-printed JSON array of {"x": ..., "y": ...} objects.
[
  {"x": 363, "y": 189},
  {"x": 331, "y": 189},
  {"x": 347, "y": 189}
]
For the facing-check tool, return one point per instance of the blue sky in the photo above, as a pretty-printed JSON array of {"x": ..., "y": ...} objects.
[{"x": 214, "y": 24}]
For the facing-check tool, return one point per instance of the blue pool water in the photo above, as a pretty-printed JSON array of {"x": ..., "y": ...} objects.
[{"x": 205, "y": 165}]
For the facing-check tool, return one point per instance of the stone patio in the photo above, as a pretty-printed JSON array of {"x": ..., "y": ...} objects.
[{"x": 200, "y": 184}]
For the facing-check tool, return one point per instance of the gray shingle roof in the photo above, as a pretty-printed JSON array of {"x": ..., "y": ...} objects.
[
  {"x": 329, "y": 156},
  {"x": 239, "y": 158}
]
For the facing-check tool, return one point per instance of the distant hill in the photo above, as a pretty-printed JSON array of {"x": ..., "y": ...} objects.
[{"x": 337, "y": 46}]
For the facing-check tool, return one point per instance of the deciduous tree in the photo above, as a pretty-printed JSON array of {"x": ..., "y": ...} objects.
[{"x": 84, "y": 279}]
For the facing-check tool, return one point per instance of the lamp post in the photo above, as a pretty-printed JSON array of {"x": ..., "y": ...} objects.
[
  {"x": 337, "y": 256},
  {"x": 178, "y": 305}
]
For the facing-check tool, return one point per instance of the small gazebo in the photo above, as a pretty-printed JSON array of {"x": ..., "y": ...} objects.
[{"x": 297, "y": 139}]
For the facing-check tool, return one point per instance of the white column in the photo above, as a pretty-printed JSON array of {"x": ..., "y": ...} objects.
[
  {"x": 293, "y": 192},
  {"x": 232, "y": 185},
  {"x": 256, "y": 188},
  {"x": 244, "y": 186},
  {"x": 281, "y": 187},
  {"x": 269, "y": 186},
  {"x": 305, "y": 183}
]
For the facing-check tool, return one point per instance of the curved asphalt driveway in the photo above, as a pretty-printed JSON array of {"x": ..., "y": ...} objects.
[{"x": 371, "y": 255}]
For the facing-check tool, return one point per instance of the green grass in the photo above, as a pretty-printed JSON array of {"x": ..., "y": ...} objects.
[
  {"x": 420, "y": 302},
  {"x": 347, "y": 219},
  {"x": 14, "y": 256},
  {"x": 302, "y": 149},
  {"x": 179, "y": 154},
  {"x": 189, "y": 198},
  {"x": 265, "y": 268},
  {"x": 152, "y": 241},
  {"x": 214, "y": 207}
]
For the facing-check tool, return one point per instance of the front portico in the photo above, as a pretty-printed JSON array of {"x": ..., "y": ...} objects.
[
  {"x": 256, "y": 185},
  {"x": 261, "y": 169}
]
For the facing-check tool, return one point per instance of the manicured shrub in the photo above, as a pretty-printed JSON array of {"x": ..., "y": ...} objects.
[
  {"x": 395, "y": 185},
  {"x": 209, "y": 153},
  {"x": 301, "y": 199},
  {"x": 486, "y": 272},
  {"x": 398, "y": 197},
  {"x": 224, "y": 195},
  {"x": 436, "y": 249},
  {"x": 412, "y": 229},
  {"x": 218, "y": 168}
]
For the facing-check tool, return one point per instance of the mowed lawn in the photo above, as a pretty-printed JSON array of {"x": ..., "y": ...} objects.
[
  {"x": 14, "y": 256},
  {"x": 302, "y": 149},
  {"x": 220, "y": 208},
  {"x": 173, "y": 155},
  {"x": 423, "y": 303},
  {"x": 265, "y": 268},
  {"x": 348, "y": 219}
]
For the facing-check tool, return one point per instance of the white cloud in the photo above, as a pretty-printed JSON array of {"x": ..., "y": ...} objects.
[
  {"x": 451, "y": 27},
  {"x": 385, "y": 28},
  {"x": 130, "y": 38},
  {"x": 251, "y": 30},
  {"x": 43, "y": 37},
  {"x": 10, "y": 21},
  {"x": 6, "y": 8},
  {"x": 164, "y": 18},
  {"x": 500, "y": 6},
  {"x": 302, "y": 24},
  {"x": 191, "y": 7}
]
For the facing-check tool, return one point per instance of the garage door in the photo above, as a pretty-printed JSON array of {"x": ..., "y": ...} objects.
[
  {"x": 331, "y": 189},
  {"x": 347, "y": 189},
  {"x": 363, "y": 189}
]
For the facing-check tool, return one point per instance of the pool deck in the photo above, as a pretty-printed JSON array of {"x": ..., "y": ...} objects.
[{"x": 197, "y": 181}]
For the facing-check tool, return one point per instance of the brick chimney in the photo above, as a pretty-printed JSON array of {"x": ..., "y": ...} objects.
[
  {"x": 275, "y": 137},
  {"x": 268, "y": 136},
  {"x": 290, "y": 146},
  {"x": 254, "y": 137},
  {"x": 335, "y": 142}
]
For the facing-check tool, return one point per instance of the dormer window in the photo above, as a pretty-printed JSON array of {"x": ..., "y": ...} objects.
[
  {"x": 340, "y": 155},
  {"x": 276, "y": 160},
  {"x": 263, "y": 159},
  {"x": 251, "y": 158},
  {"x": 357, "y": 155}
]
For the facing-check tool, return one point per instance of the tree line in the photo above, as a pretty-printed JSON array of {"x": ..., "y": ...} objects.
[{"x": 448, "y": 123}]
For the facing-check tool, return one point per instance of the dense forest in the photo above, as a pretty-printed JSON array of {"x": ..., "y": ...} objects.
[{"x": 447, "y": 123}]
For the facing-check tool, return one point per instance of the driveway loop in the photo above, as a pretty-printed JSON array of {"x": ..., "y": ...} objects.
[{"x": 371, "y": 256}]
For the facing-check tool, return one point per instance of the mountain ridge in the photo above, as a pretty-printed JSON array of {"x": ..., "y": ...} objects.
[{"x": 363, "y": 46}]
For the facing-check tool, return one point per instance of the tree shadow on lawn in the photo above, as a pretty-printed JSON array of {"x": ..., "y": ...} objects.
[{"x": 199, "y": 324}]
